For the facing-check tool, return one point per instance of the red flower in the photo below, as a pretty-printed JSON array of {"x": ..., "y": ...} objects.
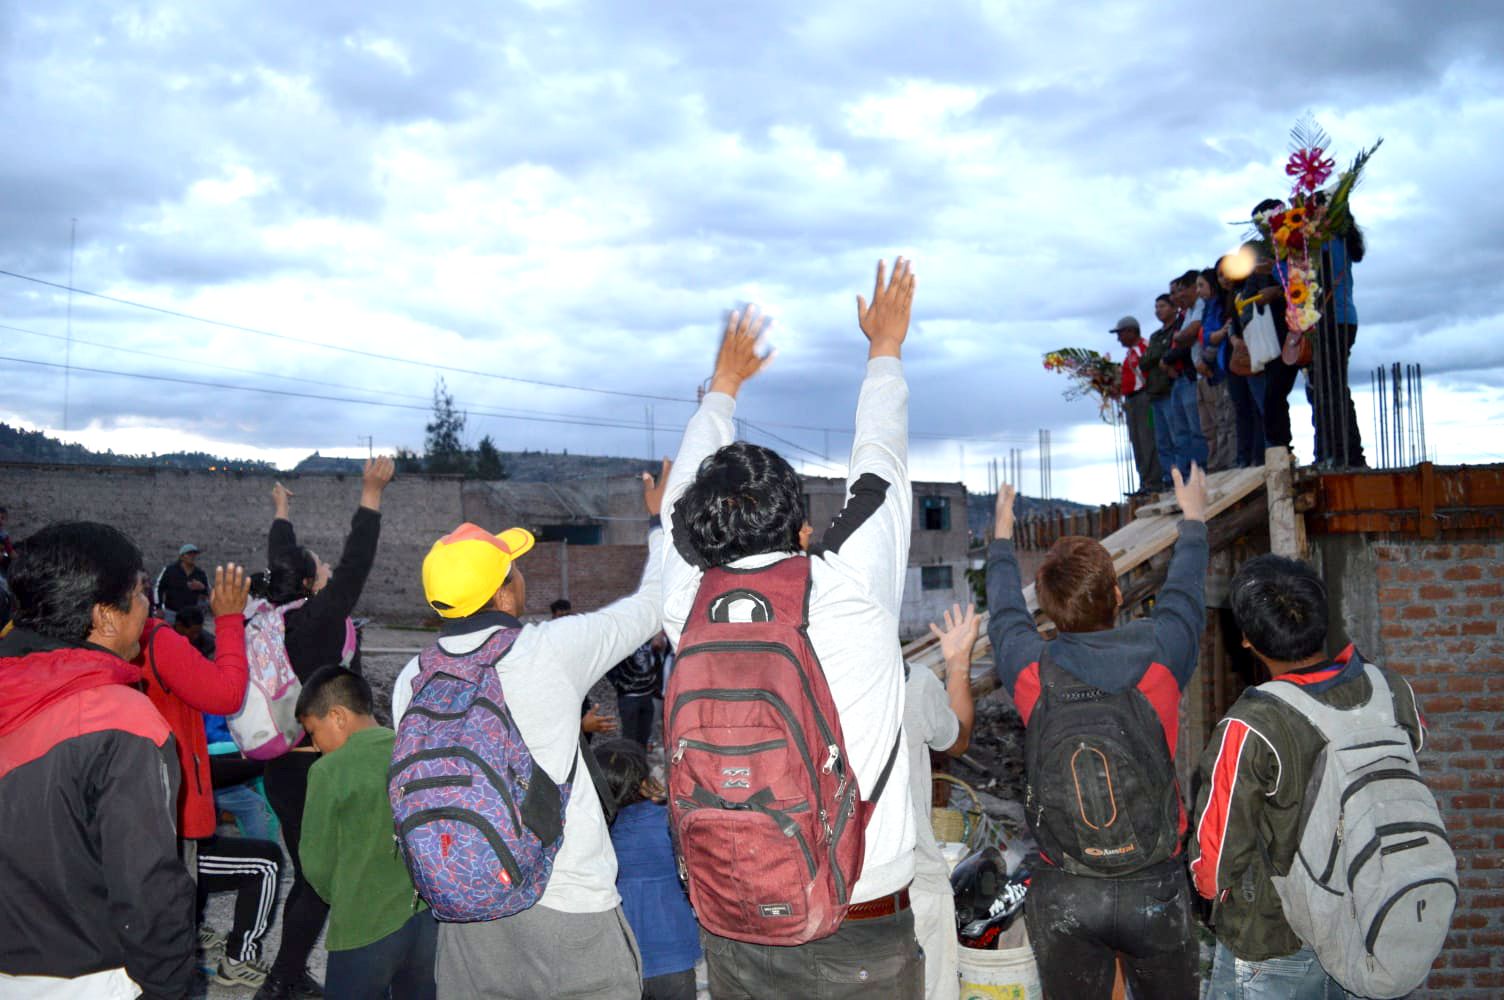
[{"x": 1309, "y": 168}]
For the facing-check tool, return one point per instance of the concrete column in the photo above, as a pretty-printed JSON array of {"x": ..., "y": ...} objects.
[{"x": 1287, "y": 529}]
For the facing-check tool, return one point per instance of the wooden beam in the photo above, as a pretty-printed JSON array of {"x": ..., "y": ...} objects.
[{"x": 1287, "y": 535}]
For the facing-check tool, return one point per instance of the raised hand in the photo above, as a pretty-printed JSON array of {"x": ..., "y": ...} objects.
[
  {"x": 959, "y": 635},
  {"x": 1191, "y": 496},
  {"x": 886, "y": 320},
  {"x": 231, "y": 588},
  {"x": 374, "y": 481},
  {"x": 652, "y": 490},
  {"x": 738, "y": 359},
  {"x": 280, "y": 497},
  {"x": 1002, "y": 513},
  {"x": 594, "y": 722}
]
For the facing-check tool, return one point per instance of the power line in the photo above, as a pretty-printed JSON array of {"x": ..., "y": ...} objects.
[
  {"x": 176, "y": 380},
  {"x": 375, "y": 355}
]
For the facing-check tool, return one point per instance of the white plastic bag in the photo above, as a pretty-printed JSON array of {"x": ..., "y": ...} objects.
[{"x": 1262, "y": 338}]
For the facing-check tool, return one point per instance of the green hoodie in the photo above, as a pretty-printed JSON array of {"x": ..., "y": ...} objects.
[{"x": 349, "y": 852}]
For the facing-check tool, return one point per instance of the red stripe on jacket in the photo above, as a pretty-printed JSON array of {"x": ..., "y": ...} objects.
[
  {"x": 1211, "y": 826},
  {"x": 110, "y": 707}
]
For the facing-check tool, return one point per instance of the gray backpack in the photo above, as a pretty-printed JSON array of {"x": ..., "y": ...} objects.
[{"x": 1374, "y": 881}]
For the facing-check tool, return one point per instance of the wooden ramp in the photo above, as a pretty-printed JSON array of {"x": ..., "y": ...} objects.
[{"x": 1154, "y": 529}]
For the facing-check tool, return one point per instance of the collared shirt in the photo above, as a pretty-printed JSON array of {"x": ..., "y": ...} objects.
[
  {"x": 549, "y": 670},
  {"x": 857, "y": 575}
]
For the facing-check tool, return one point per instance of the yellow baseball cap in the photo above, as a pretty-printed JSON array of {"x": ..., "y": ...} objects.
[{"x": 466, "y": 567}]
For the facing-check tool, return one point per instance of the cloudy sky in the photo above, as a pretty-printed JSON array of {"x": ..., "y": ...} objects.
[{"x": 574, "y": 193}]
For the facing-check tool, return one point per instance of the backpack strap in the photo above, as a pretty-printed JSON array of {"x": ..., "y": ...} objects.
[
  {"x": 597, "y": 778},
  {"x": 882, "y": 779},
  {"x": 1328, "y": 721}
]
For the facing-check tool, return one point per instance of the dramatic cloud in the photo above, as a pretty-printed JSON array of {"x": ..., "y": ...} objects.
[{"x": 573, "y": 192}]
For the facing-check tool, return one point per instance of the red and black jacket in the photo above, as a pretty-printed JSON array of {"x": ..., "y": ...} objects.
[
  {"x": 1156, "y": 655},
  {"x": 88, "y": 835}
]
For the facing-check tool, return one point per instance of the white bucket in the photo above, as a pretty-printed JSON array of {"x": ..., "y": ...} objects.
[{"x": 1008, "y": 974}]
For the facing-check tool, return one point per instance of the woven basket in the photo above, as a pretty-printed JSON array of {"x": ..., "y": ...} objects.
[{"x": 952, "y": 825}]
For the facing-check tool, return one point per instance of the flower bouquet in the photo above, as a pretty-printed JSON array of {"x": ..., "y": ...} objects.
[
  {"x": 1312, "y": 217},
  {"x": 1091, "y": 374}
]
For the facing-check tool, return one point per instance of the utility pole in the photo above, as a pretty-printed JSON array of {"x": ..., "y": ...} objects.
[{"x": 370, "y": 444}]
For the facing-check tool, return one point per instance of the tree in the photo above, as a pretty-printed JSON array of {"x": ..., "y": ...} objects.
[
  {"x": 444, "y": 448},
  {"x": 408, "y": 460},
  {"x": 488, "y": 460}
]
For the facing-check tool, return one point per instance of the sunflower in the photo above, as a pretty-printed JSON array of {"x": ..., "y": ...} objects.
[
  {"x": 1295, "y": 218},
  {"x": 1299, "y": 293}
]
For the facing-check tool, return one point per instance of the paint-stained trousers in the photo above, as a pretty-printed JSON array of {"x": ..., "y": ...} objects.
[{"x": 1078, "y": 925}]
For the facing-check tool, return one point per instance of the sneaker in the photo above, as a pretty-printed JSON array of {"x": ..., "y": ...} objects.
[
  {"x": 210, "y": 939},
  {"x": 249, "y": 973},
  {"x": 305, "y": 987}
]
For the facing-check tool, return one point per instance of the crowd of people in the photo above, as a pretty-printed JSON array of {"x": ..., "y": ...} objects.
[
  {"x": 486, "y": 846},
  {"x": 1193, "y": 393}
]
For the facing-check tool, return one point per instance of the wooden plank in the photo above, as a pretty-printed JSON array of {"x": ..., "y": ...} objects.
[{"x": 1131, "y": 547}]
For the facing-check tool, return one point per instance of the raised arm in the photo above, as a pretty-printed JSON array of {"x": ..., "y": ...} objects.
[
  {"x": 281, "y": 537},
  {"x": 1010, "y": 624},
  {"x": 1180, "y": 612},
  {"x": 709, "y": 430},
  {"x": 869, "y": 538},
  {"x": 218, "y": 686},
  {"x": 338, "y": 598},
  {"x": 956, "y": 642}
]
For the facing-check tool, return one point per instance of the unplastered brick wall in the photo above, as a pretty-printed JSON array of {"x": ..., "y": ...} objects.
[{"x": 1440, "y": 609}]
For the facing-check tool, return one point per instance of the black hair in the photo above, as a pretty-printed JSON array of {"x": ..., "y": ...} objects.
[
  {"x": 558, "y": 607},
  {"x": 1188, "y": 279},
  {"x": 1280, "y": 604},
  {"x": 331, "y": 686},
  {"x": 746, "y": 500},
  {"x": 1266, "y": 205},
  {"x": 63, "y": 571},
  {"x": 286, "y": 578},
  {"x": 1164, "y": 297},
  {"x": 190, "y": 616},
  {"x": 625, "y": 764},
  {"x": 1357, "y": 248}
]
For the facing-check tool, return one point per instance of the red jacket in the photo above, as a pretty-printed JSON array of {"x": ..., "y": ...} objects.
[
  {"x": 183, "y": 685},
  {"x": 88, "y": 845}
]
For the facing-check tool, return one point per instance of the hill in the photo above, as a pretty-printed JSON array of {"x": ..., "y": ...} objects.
[{"x": 34, "y": 447}]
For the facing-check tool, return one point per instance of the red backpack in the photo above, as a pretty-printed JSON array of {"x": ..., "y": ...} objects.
[{"x": 763, "y": 801}]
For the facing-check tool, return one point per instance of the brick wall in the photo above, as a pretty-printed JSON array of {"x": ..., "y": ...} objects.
[
  {"x": 1440, "y": 608},
  {"x": 227, "y": 515}
]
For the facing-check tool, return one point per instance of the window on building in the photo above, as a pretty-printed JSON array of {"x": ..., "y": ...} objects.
[
  {"x": 934, "y": 513},
  {"x": 935, "y": 578},
  {"x": 574, "y": 534}
]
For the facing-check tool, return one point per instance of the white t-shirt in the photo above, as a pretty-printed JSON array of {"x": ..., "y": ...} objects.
[
  {"x": 545, "y": 676},
  {"x": 929, "y": 724}
]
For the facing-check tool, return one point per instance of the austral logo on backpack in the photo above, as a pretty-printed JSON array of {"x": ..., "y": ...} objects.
[
  {"x": 763, "y": 800},
  {"x": 266, "y": 726},
  {"x": 1374, "y": 881},
  {"x": 1102, "y": 794},
  {"x": 479, "y": 821}
]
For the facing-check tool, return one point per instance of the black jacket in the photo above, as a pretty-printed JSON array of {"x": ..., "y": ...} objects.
[
  {"x": 316, "y": 631},
  {"x": 173, "y": 593},
  {"x": 88, "y": 822}
]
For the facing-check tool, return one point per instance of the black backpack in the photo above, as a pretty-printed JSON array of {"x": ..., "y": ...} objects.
[{"x": 1103, "y": 799}]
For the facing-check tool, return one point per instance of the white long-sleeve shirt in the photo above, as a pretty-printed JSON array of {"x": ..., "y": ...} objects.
[
  {"x": 857, "y": 576},
  {"x": 545, "y": 676}
]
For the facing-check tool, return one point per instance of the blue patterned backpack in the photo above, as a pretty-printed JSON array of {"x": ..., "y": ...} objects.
[{"x": 478, "y": 820}]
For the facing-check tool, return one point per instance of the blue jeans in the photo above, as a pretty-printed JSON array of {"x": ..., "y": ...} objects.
[
  {"x": 252, "y": 813},
  {"x": 1293, "y": 977},
  {"x": 1185, "y": 425},
  {"x": 399, "y": 966},
  {"x": 1164, "y": 437}
]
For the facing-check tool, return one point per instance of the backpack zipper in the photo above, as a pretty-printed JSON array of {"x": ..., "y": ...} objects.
[
  {"x": 725, "y": 750},
  {"x": 449, "y": 753},
  {"x": 753, "y": 694},
  {"x": 689, "y": 805},
  {"x": 826, "y": 733},
  {"x": 473, "y": 819}
]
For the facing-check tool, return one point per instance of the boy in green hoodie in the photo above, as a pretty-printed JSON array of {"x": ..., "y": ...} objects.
[{"x": 378, "y": 938}]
